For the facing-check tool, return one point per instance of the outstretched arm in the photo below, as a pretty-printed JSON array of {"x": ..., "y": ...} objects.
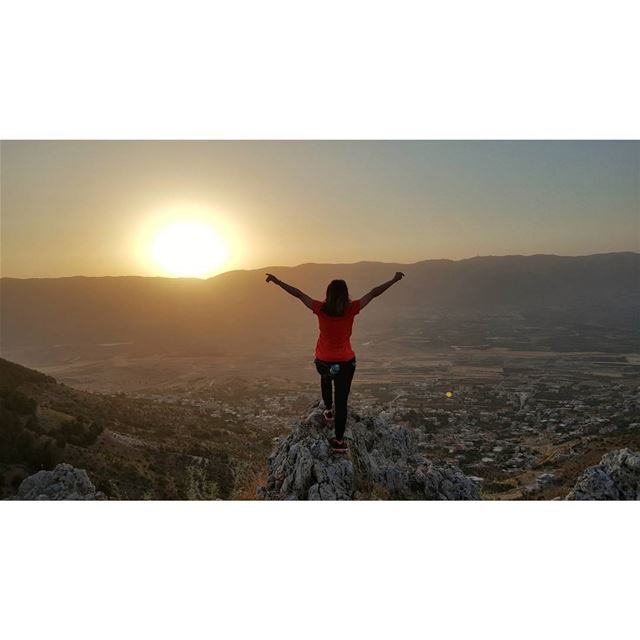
[
  {"x": 376, "y": 291},
  {"x": 296, "y": 293}
]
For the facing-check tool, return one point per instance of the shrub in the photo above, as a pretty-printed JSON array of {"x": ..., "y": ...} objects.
[
  {"x": 497, "y": 487},
  {"x": 16, "y": 481},
  {"x": 198, "y": 485},
  {"x": 19, "y": 403},
  {"x": 78, "y": 432}
]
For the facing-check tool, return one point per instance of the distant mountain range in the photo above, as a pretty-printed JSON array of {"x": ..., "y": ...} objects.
[{"x": 237, "y": 310}]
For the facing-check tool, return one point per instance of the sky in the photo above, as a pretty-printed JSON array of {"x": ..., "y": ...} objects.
[{"x": 164, "y": 208}]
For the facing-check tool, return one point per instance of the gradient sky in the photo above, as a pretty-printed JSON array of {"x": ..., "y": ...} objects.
[{"x": 87, "y": 207}]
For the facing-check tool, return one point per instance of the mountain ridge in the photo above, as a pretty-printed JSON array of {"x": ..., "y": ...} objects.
[
  {"x": 239, "y": 311},
  {"x": 334, "y": 264}
]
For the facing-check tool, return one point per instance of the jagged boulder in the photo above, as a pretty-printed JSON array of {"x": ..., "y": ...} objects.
[
  {"x": 65, "y": 482},
  {"x": 617, "y": 477},
  {"x": 383, "y": 462}
]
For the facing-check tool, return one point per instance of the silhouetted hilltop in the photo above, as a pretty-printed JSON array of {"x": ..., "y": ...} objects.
[{"x": 13, "y": 375}]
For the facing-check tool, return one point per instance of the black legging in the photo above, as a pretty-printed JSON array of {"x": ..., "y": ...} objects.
[{"x": 342, "y": 381}]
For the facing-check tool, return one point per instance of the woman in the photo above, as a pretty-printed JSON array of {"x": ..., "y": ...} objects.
[{"x": 334, "y": 358}]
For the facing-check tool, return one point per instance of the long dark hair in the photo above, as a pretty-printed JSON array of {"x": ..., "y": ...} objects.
[{"x": 337, "y": 299}]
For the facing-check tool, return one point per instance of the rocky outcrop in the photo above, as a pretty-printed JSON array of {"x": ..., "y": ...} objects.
[
  {"x": 63, "y": 483},
  {"x": 617, "y": 477},
  {"x": 383, "y": 463}
]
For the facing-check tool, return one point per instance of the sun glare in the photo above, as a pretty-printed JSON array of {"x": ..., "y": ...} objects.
[{"x": 188, "y": 249}]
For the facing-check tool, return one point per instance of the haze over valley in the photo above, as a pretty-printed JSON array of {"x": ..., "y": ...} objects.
[
  {"x": 539, "y": 355},
  {"x": 134, "y": 277}
]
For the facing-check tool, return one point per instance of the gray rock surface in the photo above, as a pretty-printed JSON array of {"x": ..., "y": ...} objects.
[
  {"x": 63, "y": 483},
  {"x": 617, "y": 477},
  {"x": 383, "y": 463}
]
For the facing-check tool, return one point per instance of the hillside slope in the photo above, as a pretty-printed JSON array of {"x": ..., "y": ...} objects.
[{"x": 131, "y": 448}]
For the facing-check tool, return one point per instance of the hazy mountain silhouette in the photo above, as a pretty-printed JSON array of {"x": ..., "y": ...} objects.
[{"x": 237, "y": 311}]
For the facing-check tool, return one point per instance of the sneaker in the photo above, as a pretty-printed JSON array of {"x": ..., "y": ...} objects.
[
  {"x": 338, "y": 446},
  {"x": 328, "y": 415}
]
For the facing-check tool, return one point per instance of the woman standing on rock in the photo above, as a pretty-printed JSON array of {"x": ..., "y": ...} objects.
[{"x": 334, "y": 358}]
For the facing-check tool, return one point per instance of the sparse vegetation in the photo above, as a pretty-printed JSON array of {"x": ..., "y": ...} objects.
[
  {"x": 198, "y": 485},
  {"x": 21, "y": 446},
  {"x": 17, "y": 402},
  {"x": 78, "y": 432},
  {"x": 496, "y": 487}
]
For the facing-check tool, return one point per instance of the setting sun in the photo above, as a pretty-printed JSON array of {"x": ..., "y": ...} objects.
[
  {"x": 188, "y": 249},
  {"x": 182, "y": 239}
]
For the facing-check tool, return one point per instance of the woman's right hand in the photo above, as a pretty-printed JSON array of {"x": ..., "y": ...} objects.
[
  {"x": 399, "y": 275},
  {"x": 271, "y": 278}
]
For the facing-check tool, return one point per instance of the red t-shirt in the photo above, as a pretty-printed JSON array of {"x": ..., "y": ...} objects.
[{"x": 333, "y": 343}]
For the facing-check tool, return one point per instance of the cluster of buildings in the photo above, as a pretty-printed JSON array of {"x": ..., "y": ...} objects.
[
  {"x": 519, "y": 430},
  {"x": 515, "y": 428}
]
